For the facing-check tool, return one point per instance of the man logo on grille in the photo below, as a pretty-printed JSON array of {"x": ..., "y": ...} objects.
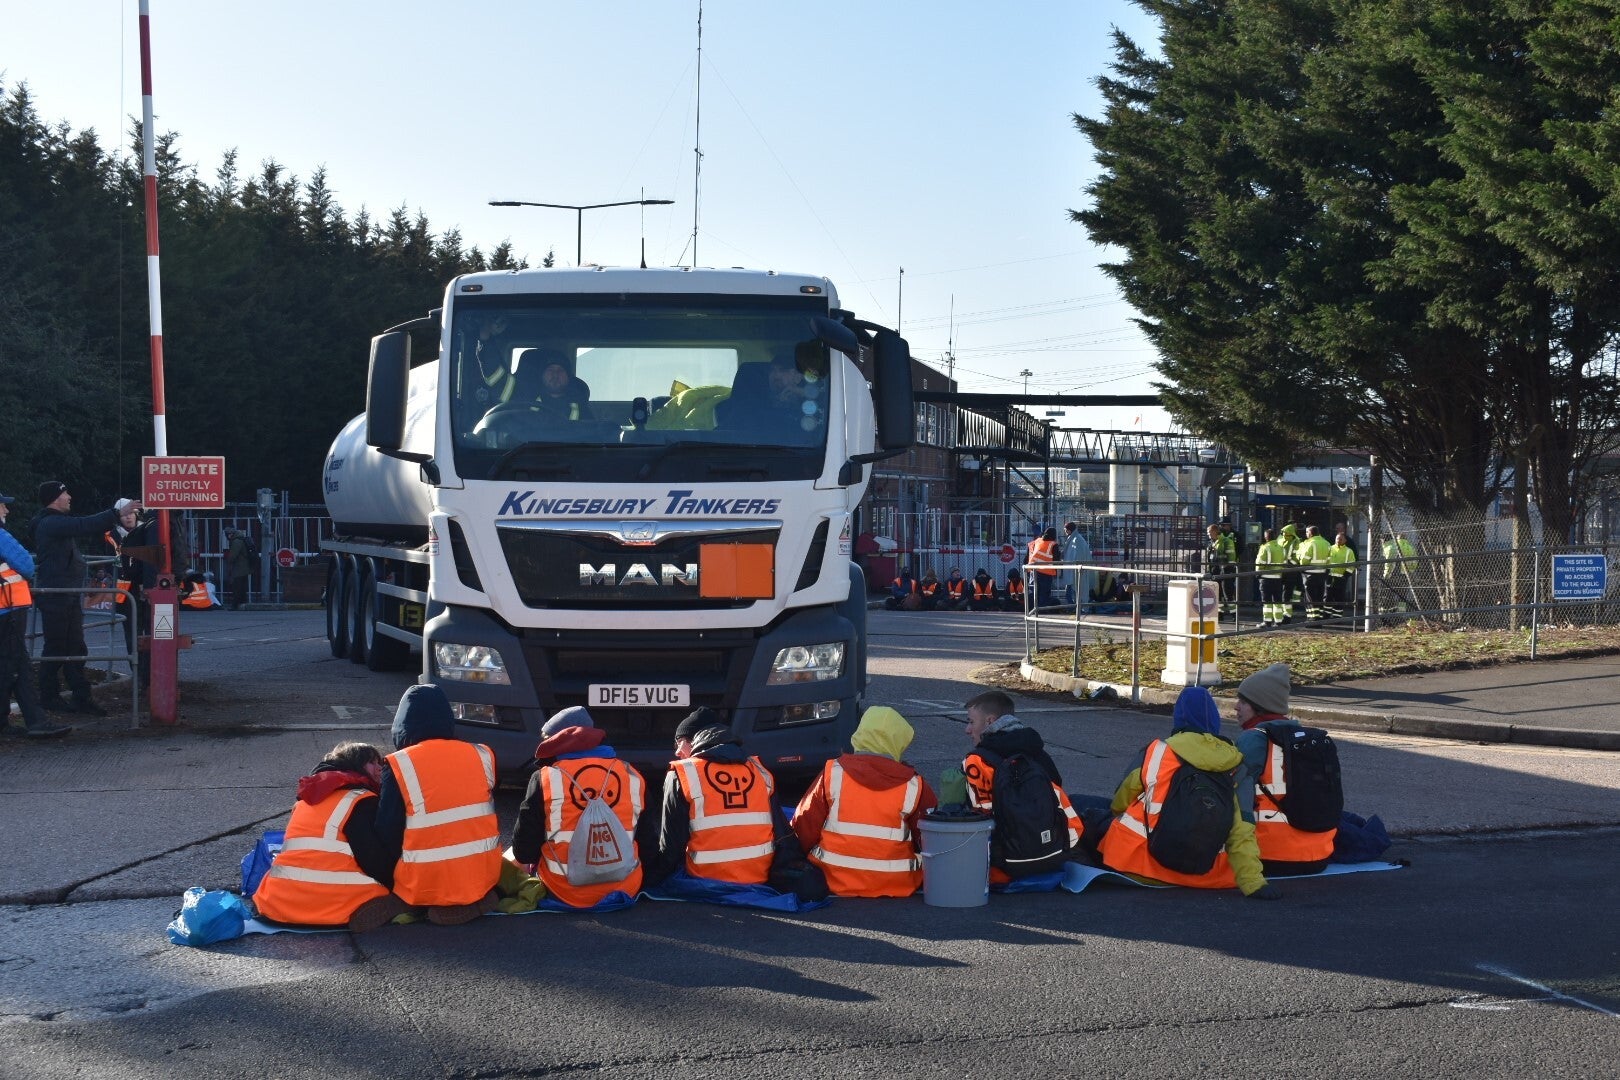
[{"x": 732, "y": 781}]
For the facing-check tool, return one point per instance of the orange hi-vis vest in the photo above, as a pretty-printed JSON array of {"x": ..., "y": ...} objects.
[
  {"x": 14, "y": 591},
  {"x": 565, "y": 785},
  {"x": 732, "y": 834},
  {"x": 1015, "y": 586},
  {"x": 315, "y": 880},
  {"x": 866, "y": 846},
  {"x": 1124, "y": 845},
  {"x": 983, "y": 590},
  {"x": 198, "y": 597},
  {"x": 1042, "y": 552},
  {"x": 954, "y": 588},
  {"x": 1279, "y": 841},
  {"x": 451, "y": 854},
  {"x": 980, "y": 774},
  {"x": 899, "y": 585},
  {"x": 930, "y": 588}
]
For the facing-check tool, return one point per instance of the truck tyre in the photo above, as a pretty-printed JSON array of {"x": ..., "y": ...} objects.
[
  {"x": 383, "y": 653},
  {"x": 353, "y": 610},
  {"x": 337, "y": 625}
]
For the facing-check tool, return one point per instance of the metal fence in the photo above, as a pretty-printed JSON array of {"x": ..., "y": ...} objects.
[{"x": 199, "y": 542}]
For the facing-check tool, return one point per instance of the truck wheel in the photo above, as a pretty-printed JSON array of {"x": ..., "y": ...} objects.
[
  {"x": 353, "y": 608},
  {"x": 383, "y": 653},
  {"x": 337, "y": 626}
]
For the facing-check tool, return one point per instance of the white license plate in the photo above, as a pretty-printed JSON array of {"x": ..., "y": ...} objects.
[{"x": 639, "y": 695}]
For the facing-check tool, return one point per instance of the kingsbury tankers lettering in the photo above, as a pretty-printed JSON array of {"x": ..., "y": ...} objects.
[{"x": 526, "y": 504}]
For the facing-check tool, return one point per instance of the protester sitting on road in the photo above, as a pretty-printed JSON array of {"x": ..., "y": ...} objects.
[
  {"x": 933, "y": 594},
  {"x": 858, "y": 820},
  {"x": 1181, "y": 805},
  {"x": 998, "y": 736},
  {"x": 1014, "y": 598},
  {"x": 333, "y": 869},
  {"x": 955, "y": 591},
  {"x": 436, "y": 810},
  {"x": 983, "y": 596},
  {"x": 721, "y": 819},
  {"x": 904, "y": 594},
  {"x": 1264, "y": 782},
  {"x": 577, "y": 766}
]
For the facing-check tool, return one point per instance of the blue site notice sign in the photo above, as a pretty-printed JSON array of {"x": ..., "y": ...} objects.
[{"x": 1579, "y": 577}]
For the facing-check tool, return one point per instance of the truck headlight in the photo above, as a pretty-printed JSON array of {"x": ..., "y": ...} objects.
[
  {"x": 807, "y": 663},
  {"x": 470, "y": 663}
]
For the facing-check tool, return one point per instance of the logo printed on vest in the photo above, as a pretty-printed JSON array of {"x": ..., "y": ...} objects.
[
  {"x": 593, "y": 781},
  {"x": 733, "y": 782}
]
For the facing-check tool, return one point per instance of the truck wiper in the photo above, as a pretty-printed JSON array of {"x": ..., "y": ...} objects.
[{"x": 690, "y": 448}]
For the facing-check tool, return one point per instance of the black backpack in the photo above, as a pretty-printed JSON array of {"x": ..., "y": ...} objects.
[
  {"x": 1190, "y": 829},
  {"x": 1313, "y": 797},
  {"x": 1031, "y": 833}
]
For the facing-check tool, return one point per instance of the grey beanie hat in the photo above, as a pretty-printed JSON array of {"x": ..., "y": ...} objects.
[
  {"x": 563, "y": 719},
  {"x": 1267, "y": 689}
]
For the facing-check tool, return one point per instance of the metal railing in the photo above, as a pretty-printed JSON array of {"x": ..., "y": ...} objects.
[
  {"x": 121, "y": 648},
  {"x": 1452, "y": 592}
]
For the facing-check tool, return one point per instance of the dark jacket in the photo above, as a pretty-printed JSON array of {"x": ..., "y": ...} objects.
[
  {"x": 141, "y": 575},
  {"x": 675, "y": 830},
  {"x": 60, "y": 563},
  {"x": 1020, "y": 740},
  {"x": 360, "y": 831},
  {"x": 423, "y": 713}
]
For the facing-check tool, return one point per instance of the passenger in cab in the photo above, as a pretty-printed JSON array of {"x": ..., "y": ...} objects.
[
  {"x": 333, "y": 870},
  {"x": 436, "y": 810},
  {"x": 721, "y": 819},
  {"x": 1176, "y": 818},
  {"x": 858, "y": 820},
  {"x": 577, "y": 766}
]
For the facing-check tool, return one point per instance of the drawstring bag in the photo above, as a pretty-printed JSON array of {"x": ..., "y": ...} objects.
[
  {"x": 600, "y": 850},
  {"x": 207, "y": 916}
]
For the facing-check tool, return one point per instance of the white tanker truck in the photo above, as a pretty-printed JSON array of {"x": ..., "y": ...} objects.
[{"x": 628, "y": 489}]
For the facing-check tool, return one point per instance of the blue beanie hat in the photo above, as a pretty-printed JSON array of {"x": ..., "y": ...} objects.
[{"x": 1196, "y": 711}]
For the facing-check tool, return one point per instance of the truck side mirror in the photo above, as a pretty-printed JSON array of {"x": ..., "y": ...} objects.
[
  {"x": 386, "y": 387},
  {"x": 891, "y": 383}
]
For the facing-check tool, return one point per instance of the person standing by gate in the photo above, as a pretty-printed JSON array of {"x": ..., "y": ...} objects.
[
  {"x": 15, "y": 601},
  {"x": 238, "y": 568},
  {"x": 1270, "y": 563},
  {"x": 1077, "y": 551},
  {"x": 1312, "y": 556},
  {"x": 62, "y": 566},
  {"x": 1341, "y": 576},
  {"x": 1042, "y": 554},
  {"x": 1220, "y": 563}
]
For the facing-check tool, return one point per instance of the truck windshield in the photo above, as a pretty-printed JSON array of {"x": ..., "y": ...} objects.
[{"x": 602, "y": 387}]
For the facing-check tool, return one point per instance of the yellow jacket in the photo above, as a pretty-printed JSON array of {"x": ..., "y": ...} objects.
[{"x": 1213, "y": 754}]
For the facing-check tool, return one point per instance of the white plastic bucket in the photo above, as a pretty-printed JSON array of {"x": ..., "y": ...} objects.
[{"x": 956, "y": 861}]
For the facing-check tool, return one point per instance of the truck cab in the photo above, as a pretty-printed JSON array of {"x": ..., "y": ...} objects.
[{"x": 631, "y": 490}]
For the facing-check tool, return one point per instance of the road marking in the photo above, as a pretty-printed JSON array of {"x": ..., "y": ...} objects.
[
  {"x": 937, "y": 706},
  {"x": 1486, "y": 1006},
  {"x": 352, "y": 712},
  {"x": 1549, "y": 991}
]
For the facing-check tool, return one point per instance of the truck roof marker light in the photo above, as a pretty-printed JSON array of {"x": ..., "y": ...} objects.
[
  {"x": 813, "y": 290},
  {"x": 472, "y": 288}
]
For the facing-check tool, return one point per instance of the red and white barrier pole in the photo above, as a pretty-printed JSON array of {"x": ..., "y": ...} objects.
[{"x": 163, "y": 601}]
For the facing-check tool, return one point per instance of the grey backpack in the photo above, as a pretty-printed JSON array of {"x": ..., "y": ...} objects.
[{"x": 601, "y": 850}]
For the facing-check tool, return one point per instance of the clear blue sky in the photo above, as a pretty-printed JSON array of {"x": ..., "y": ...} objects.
[{"x": 845, "y": 138}]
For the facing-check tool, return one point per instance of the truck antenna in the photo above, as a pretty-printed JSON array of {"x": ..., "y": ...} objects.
[{"x": 697, "y": 149}]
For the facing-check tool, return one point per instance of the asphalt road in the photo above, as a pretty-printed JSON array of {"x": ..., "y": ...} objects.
[{"x": 1494, "y": 954}]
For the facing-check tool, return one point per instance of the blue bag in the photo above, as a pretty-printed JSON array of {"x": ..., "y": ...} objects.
[
  {"x": 1359, "y": 839},
  {"x": 207, "y": 916},
  {"x": 256, "y": 863}
]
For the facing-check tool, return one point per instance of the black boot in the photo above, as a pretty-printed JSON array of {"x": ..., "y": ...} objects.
[
  {"x": 55, "y": 703},
  {"x": 87, "y": 706}
]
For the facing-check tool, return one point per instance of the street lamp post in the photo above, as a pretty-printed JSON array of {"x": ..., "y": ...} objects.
[{"x": 579, "y": 214}]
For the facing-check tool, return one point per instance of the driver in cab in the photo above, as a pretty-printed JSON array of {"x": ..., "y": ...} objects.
[{"x": 544, "y": 388}]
